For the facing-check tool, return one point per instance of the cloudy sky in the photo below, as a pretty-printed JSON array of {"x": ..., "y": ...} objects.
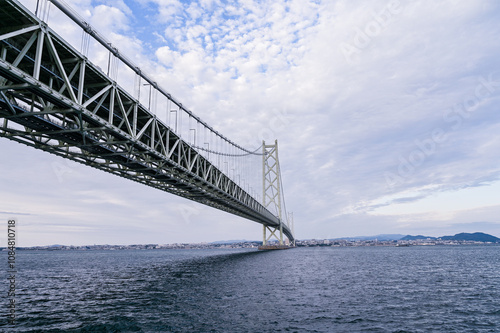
[{"x": 386, "y": 112}]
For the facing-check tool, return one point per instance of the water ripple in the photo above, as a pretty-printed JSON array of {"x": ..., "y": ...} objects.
[{"x": 414, "y": 289}]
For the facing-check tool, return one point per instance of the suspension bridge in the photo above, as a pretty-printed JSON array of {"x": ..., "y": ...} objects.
[{"x": 109, "y": 115}]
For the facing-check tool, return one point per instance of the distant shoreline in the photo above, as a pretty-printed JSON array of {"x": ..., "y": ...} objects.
[
  {"x": 477, "y": 238},
  {"x": 250, "y": 245}
]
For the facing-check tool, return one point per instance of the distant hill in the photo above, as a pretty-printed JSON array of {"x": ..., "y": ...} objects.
[
  {"x": 383, "y": 237},
  {"x": 477, "y": 236},
  {"x": 418, "y": 237}
]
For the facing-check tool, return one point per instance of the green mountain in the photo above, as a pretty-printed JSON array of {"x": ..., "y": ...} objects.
[
  {"x": 477, "y": 236},
  {"x": 419, "y": 237}
]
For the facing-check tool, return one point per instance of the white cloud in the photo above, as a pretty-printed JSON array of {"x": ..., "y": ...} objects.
[{"x": 109, "y": 19}]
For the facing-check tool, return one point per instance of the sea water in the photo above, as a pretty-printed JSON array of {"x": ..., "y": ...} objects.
[{"x": 322, "y": 289}]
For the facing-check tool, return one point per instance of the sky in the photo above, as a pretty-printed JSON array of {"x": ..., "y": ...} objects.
[{"x": 386, "y": 113}]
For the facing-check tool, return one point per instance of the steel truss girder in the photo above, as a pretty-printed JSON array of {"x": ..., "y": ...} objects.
[{"x": 52, "y": 98}]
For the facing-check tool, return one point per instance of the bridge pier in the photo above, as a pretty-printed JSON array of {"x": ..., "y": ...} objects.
[{"x": 272, "y": 232}]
